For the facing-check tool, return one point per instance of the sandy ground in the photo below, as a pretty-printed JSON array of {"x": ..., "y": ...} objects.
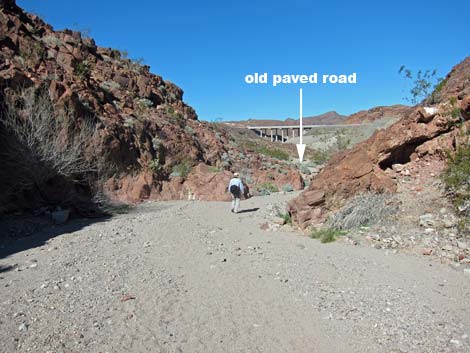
[{"x": 192, "y": 277}]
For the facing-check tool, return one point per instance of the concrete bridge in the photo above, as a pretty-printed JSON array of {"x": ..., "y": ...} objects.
[{"x": 284, "y": 133}]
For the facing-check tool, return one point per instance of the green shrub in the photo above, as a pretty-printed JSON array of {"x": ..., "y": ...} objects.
[
  {"x": 304, "y": 169},
  {"x": 214, "y": 169},
  {"x": 181, "y": 169},
  {"x": 287, "y": 188},
  {"x": 457, "y": 181},
  {"x": 154, "y": 165},
  {"x": 82, "y": 69},
  {"x": 175, "y": 115},
  {"x": 272, "y": 152},
  {"x": 266, "y": 188},
  {"x": 109, "y": 85},
  {"x": 327, "y": 235},
  {"x": 144, "y": 103},
  {"x": 156, "y": 143},
  {"x": 189, "y": 130},
  {"x": 33, "y": 52},
  {"x": 320, "y": 156},
  {"x": 286, "y": 216}
]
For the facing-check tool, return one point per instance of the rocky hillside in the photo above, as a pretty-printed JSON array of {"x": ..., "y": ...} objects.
[
  {"x": 418, "y": 141},
  {"x": 141, "y": 142},
  {"x": 368, "y": 116}
]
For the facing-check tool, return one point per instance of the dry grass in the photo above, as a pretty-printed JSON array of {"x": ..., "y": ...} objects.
[{"x": 362, "y": 210}]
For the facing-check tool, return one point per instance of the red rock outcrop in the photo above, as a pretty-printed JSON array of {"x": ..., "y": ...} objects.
[
  {"x": 143, "y": 127},
  {"x": 422, "y": 133}
]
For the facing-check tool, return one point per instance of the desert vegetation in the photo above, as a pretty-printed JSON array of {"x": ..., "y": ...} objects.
[
  {"x": 457, "y": 180},
  {"x": 44, "y": 147}
]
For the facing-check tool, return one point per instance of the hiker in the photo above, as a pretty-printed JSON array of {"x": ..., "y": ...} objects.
[{"x": 235, "y": 187}]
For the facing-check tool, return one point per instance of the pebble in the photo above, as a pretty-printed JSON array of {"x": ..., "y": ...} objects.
[
  {"x": 23, "y": 327},
  {"x": 455, "y": 342}
]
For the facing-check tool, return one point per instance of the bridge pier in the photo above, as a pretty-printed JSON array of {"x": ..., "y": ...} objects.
[{"x": 286, "y": 132}]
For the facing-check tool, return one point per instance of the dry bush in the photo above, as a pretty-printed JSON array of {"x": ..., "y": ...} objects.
[
  {"x": 40, "y": 146},
  {"x": 363, "y": 210}
]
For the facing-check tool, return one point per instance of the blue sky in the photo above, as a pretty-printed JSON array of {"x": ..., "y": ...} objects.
[{"x": 207, "y": 47}]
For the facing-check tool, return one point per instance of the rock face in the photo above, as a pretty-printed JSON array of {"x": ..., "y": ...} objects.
[
  {"x": 424, "y": 132},
  {"x": 144, "y": 129}
]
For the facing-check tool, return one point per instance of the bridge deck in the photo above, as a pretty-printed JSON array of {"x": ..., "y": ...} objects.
[{"x": 298, "y": 126}]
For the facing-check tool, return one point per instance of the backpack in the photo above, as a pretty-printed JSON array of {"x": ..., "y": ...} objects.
[{"x": 235, "y": 190}]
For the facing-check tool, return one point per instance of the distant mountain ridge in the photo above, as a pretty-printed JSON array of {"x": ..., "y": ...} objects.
[{"x": 328, "y": 118}]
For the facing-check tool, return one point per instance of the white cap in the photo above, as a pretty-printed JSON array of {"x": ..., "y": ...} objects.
[{"x": 236, "y": 175}]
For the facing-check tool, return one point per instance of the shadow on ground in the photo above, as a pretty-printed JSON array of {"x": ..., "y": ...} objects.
[
  {"x": 249, "y": 210},
  {"x": 10, "y": 245}
]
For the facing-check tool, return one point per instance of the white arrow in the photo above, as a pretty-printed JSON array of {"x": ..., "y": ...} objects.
[{"x": 301, "y": 146}]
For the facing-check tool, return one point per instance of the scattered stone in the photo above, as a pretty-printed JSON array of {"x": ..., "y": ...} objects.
[
  {"x": 127, "y": 297},
  {"x": 279, "y": 220},
  {"x": 398, "y": 167},
  {"x": 427, "y": 251},
  {"x": 23, "y": 327},
  {"x": 455, "y": 342},
  {"x": 448, "y": 223},
  {"x": 426, "y": 220},
  {"x": 264, "y": 226}
]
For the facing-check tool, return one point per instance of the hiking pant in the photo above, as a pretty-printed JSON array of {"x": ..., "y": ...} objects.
[{"x": 235, "y": 203}]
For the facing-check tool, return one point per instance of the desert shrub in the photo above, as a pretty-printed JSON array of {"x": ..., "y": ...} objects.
[
  {"x": 109, "y": 85},
  {"x": 175, "y": 116},
  {"x": 287, "y": 188},
  {"x": 286, "y": 216},
  {"x": 214, "y": 169},
  {"x": 82, "y": 69},
  {"x": 267, "y": 188},
  {"x": 144, "y": 103},
  {"x": 52, "y": 41},
  {"x": 361, "y": 210},
  {"x": 273, "y": 152},
  {"x": 156, "y": 143},
  {"x": 189, "y": 130},
  {"x": 129, "y": 122},
  {"x": 33, "y": 52},
  {"x": 457, "y": 182},
  {"x": 436, "y": 94},
  {"x": 181, "y": 169},
  {"x": 421, "y": 83},
  {"x": 327, "y": 235},
  {"x": 41, "y": 146},
  {"x": 155, "y": 165},
  {"x": 304, "y": 169},
  {"x": 320, "y": 156}
]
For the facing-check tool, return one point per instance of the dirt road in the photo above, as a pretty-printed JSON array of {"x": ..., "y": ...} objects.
[{"x": 192, "y": 277}]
